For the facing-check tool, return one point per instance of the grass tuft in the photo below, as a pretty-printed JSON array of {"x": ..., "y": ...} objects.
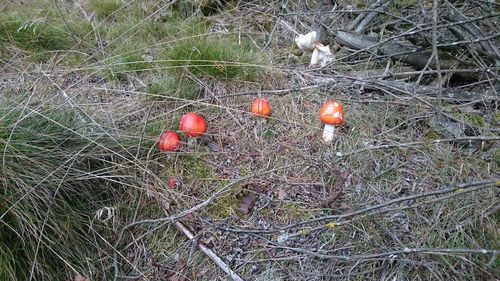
[
  {"x": 178, "y": 87},
  {"x": 220, "y": 58},
  {"x": 35, "y": 35},
  {"x": 49, "y": 193},
  {"x": 104, "y": 8}
]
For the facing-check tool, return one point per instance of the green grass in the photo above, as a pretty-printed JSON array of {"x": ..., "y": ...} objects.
[
  {"x": 220, "y": 58},
  {"x": 175, "y": 27},
  {"x": 41, "y": 38},
  {"x": 49, "y": 193},
  {"x": 182, "y": 48},
  {"x": 474, "y": 119},
  {"x": 186, "y": 48},
  {"x": 180, "y": 87},
  {"x": 34, "y": 35},
  {"x": 187, "y": 8},
  {"x": 105, "y": 8},
  {"x": 193, "y": 168},
  {"x": 127, "y": 63},
  {"x": 225, "y": 207},
  {"x": 57, "y": 171}
]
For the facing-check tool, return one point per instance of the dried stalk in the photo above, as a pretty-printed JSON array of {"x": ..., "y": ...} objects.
[{"x": 207, "y": 251}]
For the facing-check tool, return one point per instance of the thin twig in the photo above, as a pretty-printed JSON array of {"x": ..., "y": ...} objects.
[
  {"x": 394, "y": 254},
  {"x": 207, "y": 251},
  {"x": 173, "y": 218}
]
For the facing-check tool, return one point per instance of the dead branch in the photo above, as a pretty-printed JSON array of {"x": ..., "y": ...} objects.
[
  {"x": 375, "y": 83},
  {"x": 369, "y": 17},
  {"x": 207, "y": 251},
  {"x": 175, "y": 217},
  {"x": 456, "y": 189},
  {"x": 407, "y": 53},
  {"x": 394, "y": 254},
  {"x": 364, "y": 18},
  {"x": 472, "y": 32}
]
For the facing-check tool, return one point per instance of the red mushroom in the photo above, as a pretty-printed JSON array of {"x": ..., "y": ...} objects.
[
  {"x": 261, "y": 108},
  {"x": 172, "y": 182},
  {"x": 169, "y": 141},
  {"x": 193, "y": 126},
  {"x": 332, "y": 114}
]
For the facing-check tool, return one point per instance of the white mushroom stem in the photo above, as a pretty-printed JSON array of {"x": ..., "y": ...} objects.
[
  {"x": 315, "y": 57},
  {"x": 321, "y": 55},
  {"x": 328, "y": 133},
  {"x": 191, "y": 141},
  {"x": 258, "y": 128}
]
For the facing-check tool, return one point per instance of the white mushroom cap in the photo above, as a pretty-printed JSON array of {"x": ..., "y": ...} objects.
[{"x": 306, "y": 42}]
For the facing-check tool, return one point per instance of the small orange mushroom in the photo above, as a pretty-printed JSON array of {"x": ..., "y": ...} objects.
[
  {"x": 332, "y": 114},
  {"x": 261, "y": 107}
]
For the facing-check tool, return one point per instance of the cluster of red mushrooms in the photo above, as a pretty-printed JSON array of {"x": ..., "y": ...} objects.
[{"x": 194, "y": 126}]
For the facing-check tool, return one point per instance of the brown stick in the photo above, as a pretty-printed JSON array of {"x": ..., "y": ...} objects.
[
  {"x": 218, "y": 261},
  {"x": 207, "y": 251}
]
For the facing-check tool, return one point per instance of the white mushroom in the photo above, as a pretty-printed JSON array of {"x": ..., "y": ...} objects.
[
  {"x": 321, "y": 55},
  {"x": 306, "y": 42}
]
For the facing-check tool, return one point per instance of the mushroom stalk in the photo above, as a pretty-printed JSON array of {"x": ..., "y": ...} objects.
[
  {"x": 314, "y": 57},
  {"x": 328, "y": 133},
  {"x": 331, "y": 114}
]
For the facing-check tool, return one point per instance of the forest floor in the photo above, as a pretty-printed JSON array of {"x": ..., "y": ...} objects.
[{"x": 408, "y": 189}]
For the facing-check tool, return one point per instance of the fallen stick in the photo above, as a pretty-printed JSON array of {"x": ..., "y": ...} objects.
[
  {"x": 369, "y": 17},
  {"x": 207, "y": 251},
  {"x": 453, "y": 95},
  {"x": 364, "y": 18},
  {"x": 473, "y": 30},
  {"x": 406, "y": 53}
]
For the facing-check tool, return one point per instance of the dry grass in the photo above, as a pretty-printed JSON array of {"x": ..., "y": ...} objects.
[{"x": 134, "y": 77}]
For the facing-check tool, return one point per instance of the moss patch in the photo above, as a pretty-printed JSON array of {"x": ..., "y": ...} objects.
[{"x": 224, "y": 207}]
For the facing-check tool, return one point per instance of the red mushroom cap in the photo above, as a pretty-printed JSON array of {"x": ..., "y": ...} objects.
[
  {"x": 332, "y": 113},
  {"x": 193, "y": 125},
  {"x": 172, "y": 182},
  {"x": 261, "y": 107},
  {"x": 169, "y": 141}
]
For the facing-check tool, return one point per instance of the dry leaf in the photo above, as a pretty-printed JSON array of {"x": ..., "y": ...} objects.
[
  {"x": 344, "y": 206},
  {"x": 282, "y": 194},
  {"x": 164, "y": 203},
  {"x": 246, "y": 204},
  {"x": 191, "y": 217},
  {"x": 78, "y": 277},
  {"x": 180, "y": 265},
  {"x": 336, "y": 190},
  {"x": 176, "y": 277}
]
